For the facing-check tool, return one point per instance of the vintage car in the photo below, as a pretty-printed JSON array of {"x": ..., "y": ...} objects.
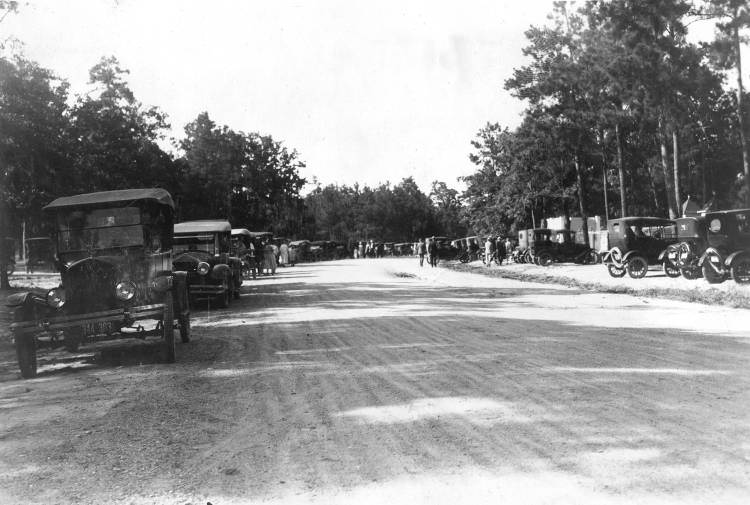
[
  {"x": 445, "y": 251},
  {"x": 298, "y": 251},
  {"x": 638, "y": 242},
  {"x": 716, "y": 245},
  {"x": 562, "y": 247},
  {"x": 538, "y": 239},
  {"x": 40, "y": 254},
  {"x": 522, "y": 248},
  {"x": 243, "y": 247},
  {"x": 402, "y": 249},
  {"x": 471, "y": 249},
  {"x": 203, "y": 250},
  {"x": 114, "y": 254}
]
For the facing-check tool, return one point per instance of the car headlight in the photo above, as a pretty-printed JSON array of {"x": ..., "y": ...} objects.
[
  {"x": 125, "y": 290},
  {"x": 56, "y": 298},
  {"x": 203, "y": 268}
]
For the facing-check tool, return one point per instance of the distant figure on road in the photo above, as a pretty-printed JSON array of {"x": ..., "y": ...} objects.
[
  {"x": 489, "y": 249},
  {"x": 432, "y": 252},
  {"x": 269, "y": 259},
  {"x": 421, "y": 251},
  {"x": 283, "y": 254}
]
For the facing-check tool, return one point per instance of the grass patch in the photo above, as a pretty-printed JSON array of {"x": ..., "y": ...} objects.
[{"x": 710, "y": 296}]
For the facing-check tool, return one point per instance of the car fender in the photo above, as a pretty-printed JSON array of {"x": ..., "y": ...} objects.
[
  {"x": 730, "y": 259},
  {"x": 180, "y": 288},
  {"x": 630, "y": 254},
  {"x": 707, "y": 253},
  {"x": 18, "y": 299},
  {"x": 221, "y": 270}
]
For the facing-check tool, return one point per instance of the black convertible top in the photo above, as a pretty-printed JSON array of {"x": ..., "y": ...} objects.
[{"x": 158, "y": 195}]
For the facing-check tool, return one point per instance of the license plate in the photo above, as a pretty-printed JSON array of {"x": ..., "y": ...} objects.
[{"x": 97, "y": 328}]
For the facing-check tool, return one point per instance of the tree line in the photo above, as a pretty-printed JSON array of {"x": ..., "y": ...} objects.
[{"x": 624, "y": 116}]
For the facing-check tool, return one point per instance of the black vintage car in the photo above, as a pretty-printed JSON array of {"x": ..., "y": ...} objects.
[
  {"x": 114, "y": 253},
  {"x": 243, "y": 247},
  {"x": 692, "y": 234},
  {"x": 638, "y": 242},
  {"x": 203, "y": 250},
  {"x": 539, "y": 239},
  {"x": 720, "y": 247},
  {"x": 562, "y": 247}
]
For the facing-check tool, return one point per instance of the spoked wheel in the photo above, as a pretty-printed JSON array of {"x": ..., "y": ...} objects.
[
  {"x": 711, "y": 275},
  {"x": 669, "y": 269},
  {"x": 544, "y": 259},
  {"x": 167, "y": 328},
  {"x": 637, "y": 267},
  {"x": 741, "y": 270},
  {"x": 615, "y": 271},
  {"x": 225, "y": 298}
]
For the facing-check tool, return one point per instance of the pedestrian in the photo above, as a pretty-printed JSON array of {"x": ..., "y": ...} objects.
[
  {"x": 283, "y": 254},
  {"x": 269, "y": 258},
  {"x": 432, "y": 252},
  {"x": 421, "y": 251},
  {"x": 489, "y": 246}
]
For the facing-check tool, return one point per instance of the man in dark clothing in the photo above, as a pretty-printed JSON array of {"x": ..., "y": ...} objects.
[{"x": 432, "y": 252}]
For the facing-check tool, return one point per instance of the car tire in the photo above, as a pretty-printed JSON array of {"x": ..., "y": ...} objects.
[
  {"x": 637, "y": 267},
  {"x": 615, "y": 271},
  {"x": 184, "y": 321},
  {"x": 543, "y": 259},
  {"x": 592, "y": 258},
  {"x": 225, "y": 298},
  {"x": 26, "y": 354},
  {"x": 669, "y": 269},
  {"x": 167, "y": 329},
  {"x": 711, "y": 275},
  {"x": 741, "y": 270}
]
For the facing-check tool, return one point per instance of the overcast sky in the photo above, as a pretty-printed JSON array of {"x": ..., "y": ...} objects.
[{"x": 367, "y": 92}]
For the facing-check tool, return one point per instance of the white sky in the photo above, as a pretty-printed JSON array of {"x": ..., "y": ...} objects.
[{"x": 367, "y": 92}]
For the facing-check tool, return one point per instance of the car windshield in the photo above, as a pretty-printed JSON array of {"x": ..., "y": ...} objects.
[
  {"x": 95, "y": 229},
  {"x": 192, "y": 243}
]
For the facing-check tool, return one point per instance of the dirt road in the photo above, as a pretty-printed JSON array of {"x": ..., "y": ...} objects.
[{"x": 374, "y": 381}]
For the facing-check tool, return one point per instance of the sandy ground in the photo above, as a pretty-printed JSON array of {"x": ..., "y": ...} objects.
[{"x": 375, "y": 381}]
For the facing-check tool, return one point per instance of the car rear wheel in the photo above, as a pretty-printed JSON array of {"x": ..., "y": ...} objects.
[
  {"x": 615, "y": 271},
  {"x": 669, "y": 269},
  {"x": 591, "y": 258},
  {"x": 167, "y": 328},
  {"x": 741, "y": 270},
  {"x": 711, "y": 275},
  {"x": 637, "y": 267},
  {"x": 544, "y": 259}
]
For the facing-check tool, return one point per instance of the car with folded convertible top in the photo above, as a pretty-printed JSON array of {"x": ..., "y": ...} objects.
[
  {"x": 113, "y": 250},
  {"x": 203, "y": 249}
]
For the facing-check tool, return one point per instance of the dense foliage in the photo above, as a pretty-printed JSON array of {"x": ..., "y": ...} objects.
[{"x": 624, "y": 116}]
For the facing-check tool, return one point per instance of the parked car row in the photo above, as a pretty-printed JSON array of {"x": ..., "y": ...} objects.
[{"x": 715, "y": 245}]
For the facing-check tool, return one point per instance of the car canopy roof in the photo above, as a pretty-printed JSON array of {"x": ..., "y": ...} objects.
[
  {"x": 203, "y": 226},
  {"x": 731, "y": 211},
  {"x": 643, "y": 221},
  {"x": 241, "y": 231},
  {"x": 256, "y": 234},
  {"x": 299, "y": 242},
  {"x": 157, "y": 195}
]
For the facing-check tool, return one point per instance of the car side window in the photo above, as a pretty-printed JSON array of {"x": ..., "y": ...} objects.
[
  {"x": 743, "y": 223},
  {"x": 715, "y": 225}
]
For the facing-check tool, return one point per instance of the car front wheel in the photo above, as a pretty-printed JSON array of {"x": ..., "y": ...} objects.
[
  {"x": 225, "y": 297},
  {"x": 167, "y": 327},
  {"x": 615, "y": 271},
  {"x": 741, "y": 270},
  {"x": 669, "y": 269}
]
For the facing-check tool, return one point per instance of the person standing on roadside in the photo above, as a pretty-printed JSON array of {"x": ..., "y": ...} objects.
[
  {"x": 421, "y": 251},
  {"x": 432, "y": 252}
]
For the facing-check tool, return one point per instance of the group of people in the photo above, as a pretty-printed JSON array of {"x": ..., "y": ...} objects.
[
  {"x": 427, "y": 248},
  {"x": 369, "y": 250},
  {"x": 497, "y": 249},
  {"x": 265, "y": 259}
]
